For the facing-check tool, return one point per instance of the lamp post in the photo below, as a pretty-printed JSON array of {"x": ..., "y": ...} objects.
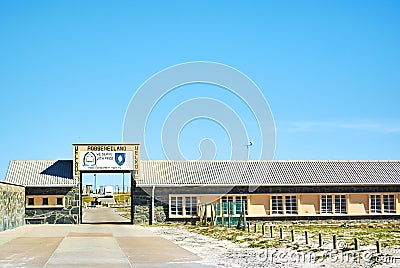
[
  {"x": 95, "y": 190},
  {"x": 248, "y": 147},
  {"x": 123, "y": 182}
]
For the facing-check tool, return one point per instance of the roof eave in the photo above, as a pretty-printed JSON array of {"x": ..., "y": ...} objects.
[
  {"x": 52, "y": 185},
  {"x": 261, "y": 185}
]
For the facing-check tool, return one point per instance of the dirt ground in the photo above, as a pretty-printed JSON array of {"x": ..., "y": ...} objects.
[{"x": 225, "y": 253}]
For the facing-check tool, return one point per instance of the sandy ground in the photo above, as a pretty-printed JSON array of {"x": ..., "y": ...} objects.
[{"x": 228, "y": 254}]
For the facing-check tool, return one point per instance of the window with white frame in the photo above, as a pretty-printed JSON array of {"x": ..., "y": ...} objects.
[
  {"x": 326, "y": 204},
  {"x": 375, "y": 204},
  {"x": 276, "y": 204},
  {"x": 218, "y": 208},
  {"x": 225, "y": 201},
  {"x": 340, "y": 204},
  {"x": 191, "y": 206},
  {"x": 241, "y": 201},
  {"x": 388, "y": 203},
  {"x": 290, "y": 204},
  {"x": 176, "y": 206}
]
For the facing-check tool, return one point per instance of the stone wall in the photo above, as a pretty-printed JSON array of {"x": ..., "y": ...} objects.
[
  {"x": 12, "y": 206},
  {"x": 142, "y": 207},
  {"x": 67, "y": 215}
]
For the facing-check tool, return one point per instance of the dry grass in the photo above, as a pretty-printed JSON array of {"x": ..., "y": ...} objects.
[{"x": 367, "y": 234}]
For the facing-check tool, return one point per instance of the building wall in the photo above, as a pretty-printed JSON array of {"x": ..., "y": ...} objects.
[
  {"x": 358, "y": 204},
  {"x": 308, "y": 204},
  {"x": 308, "y": 201},
  {"x": 12, "y": 206},
  {"x": 258, "y": 205},
  {"x": 142, "y": 200},
  {"x": 68, "y": 213},
  {"x": 398, "y": 204}
]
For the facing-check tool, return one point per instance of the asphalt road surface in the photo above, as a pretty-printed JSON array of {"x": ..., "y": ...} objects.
[{"x": 102, "y": 215}]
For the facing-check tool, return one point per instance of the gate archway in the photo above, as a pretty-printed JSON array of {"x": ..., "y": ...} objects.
[{"x": 106, "y": 159}]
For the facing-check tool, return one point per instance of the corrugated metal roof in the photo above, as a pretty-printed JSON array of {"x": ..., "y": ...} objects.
[
  {"x": 222, "y": 172},
  {"x": 40, "y": 173},
  {"x": 274, "y": 172}
]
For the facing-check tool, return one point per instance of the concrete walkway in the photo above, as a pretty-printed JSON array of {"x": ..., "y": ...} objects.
[
  {"x": 102, "y": 215},
  {"x": 91, "y": 246}
]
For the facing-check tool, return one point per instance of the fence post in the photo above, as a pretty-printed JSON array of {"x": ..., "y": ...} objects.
[
  {"x": 271, "y": 231},
  {"x": 201, "y": 214},
  {"x": 263, "y": 229},
  {"x": 255, "y": 227},
  {"x": 212, "y": 214},
  {"x": 240, "y": 221},
  {"x": 280, "y": 233},
  {"x": 205, "y": 214},
  {"x": 334, "y": 242},
  {"x": 221, "y": 206},
  {"x": 248, "y": 227},
  {"x": 320, "y": 240},
  {"x": 244, "y": 214},
  {"x": 215, "y": 215},
  {"x": 292, "y": 234},
  {"x": 229, "y": 214},
  {"x": 378, "y": 247},
  {"x": 356, "y": 245},
  {"x": 306, "y": 237}
]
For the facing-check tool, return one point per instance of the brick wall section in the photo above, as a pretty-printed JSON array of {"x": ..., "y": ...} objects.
[{"x": 12, "y": 206}]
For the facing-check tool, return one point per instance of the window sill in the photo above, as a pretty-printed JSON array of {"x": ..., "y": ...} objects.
[
  {"x": 182, "y": 216},
  {"x": 45, "y": 206}
]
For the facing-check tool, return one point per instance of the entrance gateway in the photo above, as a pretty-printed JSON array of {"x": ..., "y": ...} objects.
[{"x": 105, "y": 158}]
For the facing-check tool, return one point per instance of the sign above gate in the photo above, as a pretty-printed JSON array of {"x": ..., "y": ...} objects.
[{"x": 106, "y": 157}]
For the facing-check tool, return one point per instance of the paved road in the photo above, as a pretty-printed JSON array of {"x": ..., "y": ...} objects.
[
  {"x": 91, "y": 246},
  {"x": 102, "y": 215}
]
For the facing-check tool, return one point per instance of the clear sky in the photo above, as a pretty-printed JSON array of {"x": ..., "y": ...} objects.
[{"x": 330, "y": 71}]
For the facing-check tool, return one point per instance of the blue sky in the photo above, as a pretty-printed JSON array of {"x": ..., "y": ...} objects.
[{"x": 329, "y": 70}]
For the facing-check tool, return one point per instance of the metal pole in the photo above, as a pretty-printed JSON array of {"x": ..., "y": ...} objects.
[
  {"x": 95, "y": 190},
  {"x": 123, "y": 182},
  {"x": 248, "y": 147},
  {"x": 152, "y": 204}
]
